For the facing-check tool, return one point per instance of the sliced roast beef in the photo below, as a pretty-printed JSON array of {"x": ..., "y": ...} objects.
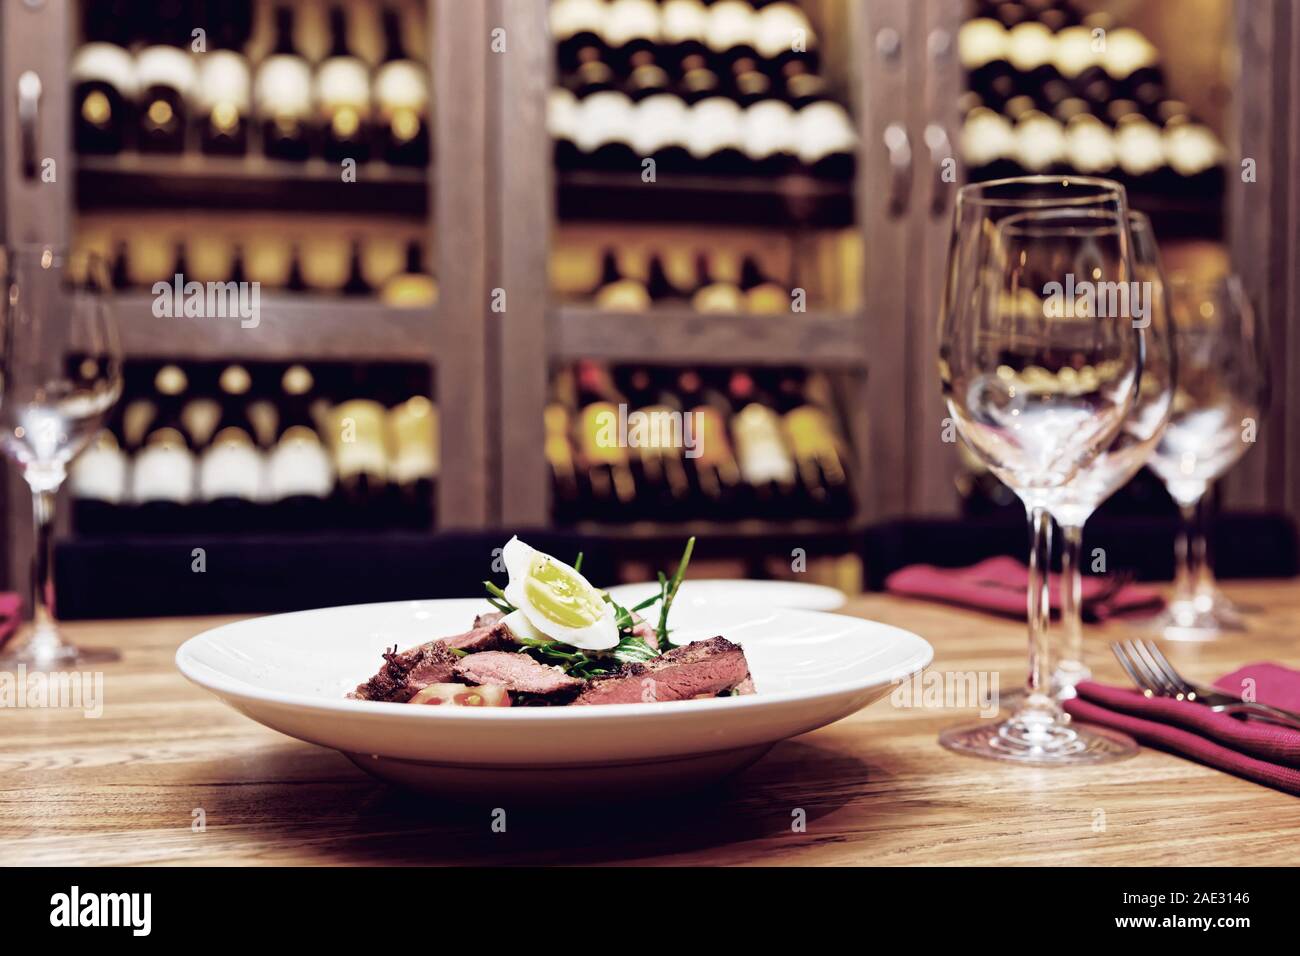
[
  {"x": 528, "y": 681},
  {"x": 406, "y": 673},
  {"x": 488, "y": 636},
  {"x": 484, "y": 620},
  {"x": 700, "y": 669}
]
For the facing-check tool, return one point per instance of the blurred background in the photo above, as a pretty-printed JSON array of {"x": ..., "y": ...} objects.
[{"x": 463, "y": 257}]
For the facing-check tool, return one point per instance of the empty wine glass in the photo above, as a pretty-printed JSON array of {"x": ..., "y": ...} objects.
[
  {"x": 1039, "y": 361},
  {"x": 1222, "y": 386},
  {"x": 1075, "y": 501},
  {"x": 60, "y": 373}
]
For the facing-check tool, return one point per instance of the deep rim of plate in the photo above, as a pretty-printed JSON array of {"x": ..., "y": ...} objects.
[{"x": 920, "y": 657}]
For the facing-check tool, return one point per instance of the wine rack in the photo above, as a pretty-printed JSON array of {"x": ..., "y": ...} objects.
[
  {"x": 262, "y": 447},
  {"x": 494, "y": 204},
  {"x": 1062, "y": 87},
  {"x": 197, "y": 191},
  {"x": 590, "y": 181}
]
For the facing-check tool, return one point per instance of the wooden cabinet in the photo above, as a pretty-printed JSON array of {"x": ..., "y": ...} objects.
[
  {"x": 494, "y": 203},
  {"x": 452, "y": 196}
]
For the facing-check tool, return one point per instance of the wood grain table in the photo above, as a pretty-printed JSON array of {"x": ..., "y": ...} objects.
[{"x": 132, "y": 786}]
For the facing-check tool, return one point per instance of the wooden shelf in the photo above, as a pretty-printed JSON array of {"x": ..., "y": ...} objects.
[
  {"x": 194, "y": 180},
  {"x": 289, "y": 327},
  {"x": 783, "y": 202},
  {"x": 688, "y": 337}
]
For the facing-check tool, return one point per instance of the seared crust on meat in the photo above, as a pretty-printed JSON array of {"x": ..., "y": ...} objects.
[
  {"x": 405, "y": 674},
  {"x": 489, "y": 636}
]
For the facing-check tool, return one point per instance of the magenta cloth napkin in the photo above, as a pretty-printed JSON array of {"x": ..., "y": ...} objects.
[
  {"x": 11, "y": 615},
  {"x": 1264, "y": 753},
  {"x": 998, "y": 585}
]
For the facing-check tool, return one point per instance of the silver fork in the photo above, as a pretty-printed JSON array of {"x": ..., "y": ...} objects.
[{"x": 1143, "y": 661}]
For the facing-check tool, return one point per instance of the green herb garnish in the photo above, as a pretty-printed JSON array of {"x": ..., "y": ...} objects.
[
  {"x": 497, "y": 598},
  {"x": 669, "y": 591},
  {"x": 571, "y": 660}
]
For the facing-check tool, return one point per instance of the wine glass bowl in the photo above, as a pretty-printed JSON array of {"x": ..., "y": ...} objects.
[
  {"x": 1040, "y": 381},
  {"x": 1073, "y": 504},
  {"x": 60, "y": 375},
  {"x": 1214, "y": 419},
  {"x": 1040, "y": 362}
]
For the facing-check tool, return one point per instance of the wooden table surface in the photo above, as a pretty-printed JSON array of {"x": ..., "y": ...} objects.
[{"x": 876, "y": 788}]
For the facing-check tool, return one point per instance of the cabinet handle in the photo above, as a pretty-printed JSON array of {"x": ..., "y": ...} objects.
[
  {"x": 29, "y": 111},
  {"x": 936, "y": 138},
  {"x": 899, "y": 145}
]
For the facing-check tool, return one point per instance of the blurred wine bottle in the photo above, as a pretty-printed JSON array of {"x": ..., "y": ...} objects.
[
  {"x": 401, "y": 99},
  {"x": 617, "y": 290},
  {"x": 557, "y": 418},
  {"x": 300, "y": 475},
  {"x": 166, "y": 79},
  {"x": 223, "y": 93},
  {"x": 717, "y": 289},
  {"x": 232, "y": 468},
  {"x": 357, "y": 435},
  {"x": 711, "y": 465},
  {"x": 414, "y": 436},
  {"x": 282, "y": 94},
  {"x": 766, "y": 464},
  {"x": 413, "y": 286},
  {"x": 656, "y": 437},
  {"x": 100, "y": 480},
  {"x": 610, "y": 489},
  {"x": 763, "y": 296},
  {"x": 342, "y": 94},
  {"x": 163, "y": 470},
  {"x": 105, "y": 86},
  {"x": 818, "y": 450}
]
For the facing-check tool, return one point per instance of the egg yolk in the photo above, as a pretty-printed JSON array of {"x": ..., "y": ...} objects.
[{"x": 562, "y": 597}]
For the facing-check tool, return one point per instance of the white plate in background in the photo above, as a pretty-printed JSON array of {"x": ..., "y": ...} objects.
[{"x": 739, "y": 593}]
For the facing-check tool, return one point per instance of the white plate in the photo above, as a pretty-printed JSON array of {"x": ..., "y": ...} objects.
[
  {"x": 291, "y": 672},
  {"x": 744, "y": 593}
]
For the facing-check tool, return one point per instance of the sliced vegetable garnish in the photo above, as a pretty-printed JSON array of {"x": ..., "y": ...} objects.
[{"x": 458, "y": 695}]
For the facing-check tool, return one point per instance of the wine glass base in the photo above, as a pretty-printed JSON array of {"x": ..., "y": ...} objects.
[
  {"x": 1220, "y": 603},
  {"x": 1038, "y": 745},
  {"x": 1194, "y": 621},
  {"x": 48, "y": 651},
  {"x": 1063, "y": 682}
]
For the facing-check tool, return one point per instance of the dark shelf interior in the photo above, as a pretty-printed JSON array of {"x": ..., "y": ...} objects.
[
  {"x": 253, "y": 182},
  {"x": 780, "y": 201}
]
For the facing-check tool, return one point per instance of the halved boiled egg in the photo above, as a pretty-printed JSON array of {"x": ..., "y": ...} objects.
[{"x": 557, "y": 601}]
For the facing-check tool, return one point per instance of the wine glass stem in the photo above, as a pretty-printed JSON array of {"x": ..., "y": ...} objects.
[
  {"x": 1202, "y": 567},
  {"x": 45, "y": 632},
  {"x": 1039, "y": 704},
  {"x": 1189, "y": 552},
  {"x": 1071, "y": 667}
]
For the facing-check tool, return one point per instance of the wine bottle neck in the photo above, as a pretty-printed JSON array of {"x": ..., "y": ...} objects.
[
  {"x": 284, "y": 31},
  {"x": 393, "y": 49},
  {"x": 338, "y": 33}
]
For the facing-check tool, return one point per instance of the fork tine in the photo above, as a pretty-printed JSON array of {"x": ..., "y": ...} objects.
[
  {"x": 1121, "y": 655},
  {"x": 1162, "y": 662},
  {"x": 1150, "y": 676},
  {"x": 1144, "y": 660}
]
